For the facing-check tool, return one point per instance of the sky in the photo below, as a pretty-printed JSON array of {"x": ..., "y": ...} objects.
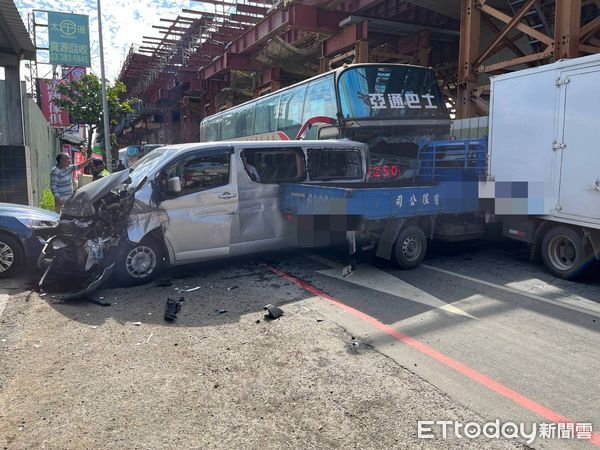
[{"x": 123, "y": 22}]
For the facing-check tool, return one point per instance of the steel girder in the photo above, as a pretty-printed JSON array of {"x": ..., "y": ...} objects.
[{"x": 516, "y": 33}]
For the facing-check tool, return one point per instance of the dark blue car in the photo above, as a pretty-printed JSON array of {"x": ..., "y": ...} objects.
[{"x": 17, "y": 242}]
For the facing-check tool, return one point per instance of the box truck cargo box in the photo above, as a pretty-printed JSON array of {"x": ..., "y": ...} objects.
[{"x": 544, "y": 142}]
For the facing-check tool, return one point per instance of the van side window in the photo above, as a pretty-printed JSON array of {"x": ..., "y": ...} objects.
[
  {"x": 274, "y": 165},
  {"x": 199, "y": 173},
  {"x": 334, "y": 163}
]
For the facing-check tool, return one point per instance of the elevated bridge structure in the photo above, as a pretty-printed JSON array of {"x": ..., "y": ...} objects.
[{"x": 222, "y": 53}]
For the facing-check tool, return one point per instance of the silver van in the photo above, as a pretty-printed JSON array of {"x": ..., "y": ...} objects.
[{"x": 187, "y": 203}]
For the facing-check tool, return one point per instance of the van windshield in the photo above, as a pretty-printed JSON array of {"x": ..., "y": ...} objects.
[{"x": 150, "y": 163}]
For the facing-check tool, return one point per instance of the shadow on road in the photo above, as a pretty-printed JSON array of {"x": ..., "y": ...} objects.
[{"x": 221, "y": 293}]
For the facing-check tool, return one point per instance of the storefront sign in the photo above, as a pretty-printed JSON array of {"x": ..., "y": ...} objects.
[{"x": 69, "y": 39}]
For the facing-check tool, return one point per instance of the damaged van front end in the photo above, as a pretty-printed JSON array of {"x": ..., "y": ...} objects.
[{"x": 81, "y": 250}]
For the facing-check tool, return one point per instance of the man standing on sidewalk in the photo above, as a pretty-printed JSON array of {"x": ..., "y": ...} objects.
[{"x": 61, "y": 178}]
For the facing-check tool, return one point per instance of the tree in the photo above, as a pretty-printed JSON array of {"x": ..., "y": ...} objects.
[{"x": 82, "y": 99}]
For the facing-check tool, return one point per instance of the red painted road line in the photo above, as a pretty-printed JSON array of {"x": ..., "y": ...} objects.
[{"x": 478, "y": 377}]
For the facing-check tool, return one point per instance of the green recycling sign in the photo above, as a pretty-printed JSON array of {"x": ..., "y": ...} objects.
[{"x": 69, "y": 39}]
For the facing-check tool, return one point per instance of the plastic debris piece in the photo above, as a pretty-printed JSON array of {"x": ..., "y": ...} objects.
[
  {"x": 172, "y": 308},
  {"x": 98, "y": 302},
  {"x": 149, "y": 337},
  {"x": 191, "y": 289},
  {"x": 221, "y": 311},
  {"x": 232, "y": 288},
  {"x": 137, "y": 324},
  {"x": 274, "y": 312}
]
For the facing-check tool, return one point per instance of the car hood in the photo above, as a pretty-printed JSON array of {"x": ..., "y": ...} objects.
[
  {"x": 81, "y": 203},
  {"x": 14, "y": 210}
]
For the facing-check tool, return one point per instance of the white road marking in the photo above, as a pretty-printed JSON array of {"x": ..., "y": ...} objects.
[
  {"x": 373, "y": 278},
  {"x": 515, "y": 291}
]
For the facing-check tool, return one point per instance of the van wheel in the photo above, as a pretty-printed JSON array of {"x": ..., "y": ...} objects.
[
  {"x": 11, "y": 255},
  {"x": 565, "y": 253},
  {"x": 410, "y": 247},
  {"x": 139, "y": 263}
]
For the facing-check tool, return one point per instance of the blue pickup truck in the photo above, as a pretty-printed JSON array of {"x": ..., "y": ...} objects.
[{"x": 439, "y": 202}]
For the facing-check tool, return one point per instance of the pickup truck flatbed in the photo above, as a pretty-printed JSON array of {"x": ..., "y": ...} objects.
[{"x": 373, "y": 201}]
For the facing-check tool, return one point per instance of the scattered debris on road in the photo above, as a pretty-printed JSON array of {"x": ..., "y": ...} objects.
[
  {"x": 172, "y": 308},
  {"x": 273, "y": 312},
  {"x": 221, "y": 311},
  {"x": 99, "y": 302},
  {"x": 137, "y": 324},
  {"x": 191, "y": 289}
]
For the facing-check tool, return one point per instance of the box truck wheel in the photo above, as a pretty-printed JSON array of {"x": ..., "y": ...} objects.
[
  {"x": 565, "y": 253},
  {"x": 410, "y": 248}
]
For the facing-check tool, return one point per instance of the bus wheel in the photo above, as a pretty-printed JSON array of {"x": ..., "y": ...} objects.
[
  {"x": 410, "y": 248},
  {"x": 565, "y": 253}
]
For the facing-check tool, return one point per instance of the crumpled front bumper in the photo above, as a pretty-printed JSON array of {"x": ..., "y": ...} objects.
[{"x": 79, "y": 289}]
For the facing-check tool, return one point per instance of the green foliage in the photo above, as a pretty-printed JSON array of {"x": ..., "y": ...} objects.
[
  {"x": 82, "y": 99},
  {"x": 47, "y": 200}
]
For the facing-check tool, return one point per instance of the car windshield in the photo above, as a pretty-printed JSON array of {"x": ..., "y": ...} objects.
[{"x": 149, "y": 163}]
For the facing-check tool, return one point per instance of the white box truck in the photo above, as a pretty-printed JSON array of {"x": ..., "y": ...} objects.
[{"x": 543, "y": 179}]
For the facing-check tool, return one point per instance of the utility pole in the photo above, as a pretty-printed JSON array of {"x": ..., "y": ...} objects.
[{"x": 104, "y": 101}]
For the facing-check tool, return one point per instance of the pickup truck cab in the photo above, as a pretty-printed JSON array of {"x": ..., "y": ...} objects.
[{"x": 192, "y": 202}]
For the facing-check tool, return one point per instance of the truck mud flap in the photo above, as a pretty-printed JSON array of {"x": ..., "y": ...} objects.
[{"x": 388, "y": 238}]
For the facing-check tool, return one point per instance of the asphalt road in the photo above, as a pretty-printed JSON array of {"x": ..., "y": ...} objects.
[
  {"x": 532, "y": 340},
  {"x": 478, "y": 333}
]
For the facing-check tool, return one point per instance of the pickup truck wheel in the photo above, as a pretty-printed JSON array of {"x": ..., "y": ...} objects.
[
  {"x": 564, "y": 252},
  {"x": 11, "y": 255},
  {"x": 410, "y": 248},
  {"x": 139, "y": 263}
]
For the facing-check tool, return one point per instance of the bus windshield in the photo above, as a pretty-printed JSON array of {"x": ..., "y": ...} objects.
[{"x": 390, "y": 92}]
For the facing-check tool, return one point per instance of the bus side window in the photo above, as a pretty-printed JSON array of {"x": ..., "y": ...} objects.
[
  {"x": 244, "y": 120},
  {"x": 320, "y": 99},
  {"x": 210, "y": 129},
  {"x": 228, "y": 126},
  {"x": 290, "y": 111},
  {"x": 265, "y": 120}
]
